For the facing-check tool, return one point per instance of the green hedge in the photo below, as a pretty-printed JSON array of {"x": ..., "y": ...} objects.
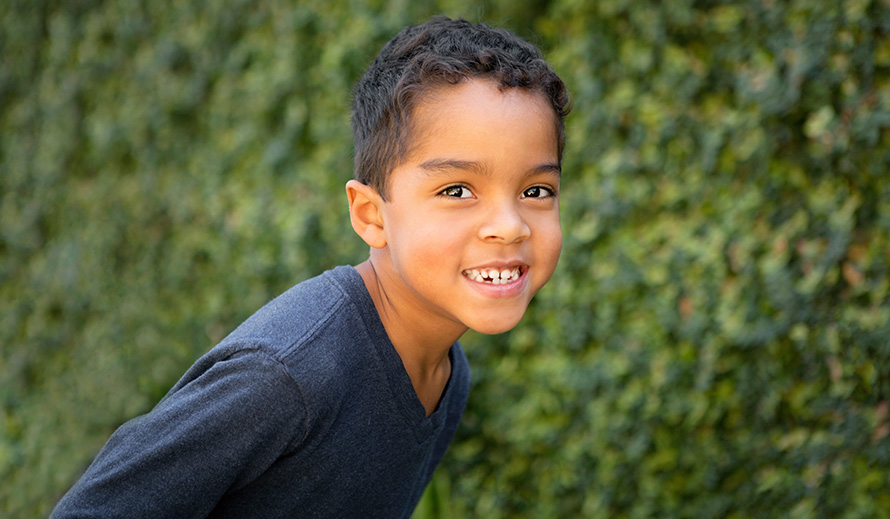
[{"x": 715, "y": 342}]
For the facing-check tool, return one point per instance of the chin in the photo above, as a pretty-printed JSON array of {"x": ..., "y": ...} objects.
[{"x": 494, "y": 326}]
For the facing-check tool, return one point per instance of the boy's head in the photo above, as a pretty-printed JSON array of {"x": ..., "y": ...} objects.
[
  {"x": 459, "y": 137},
  {"x": 421, "y": 58}
]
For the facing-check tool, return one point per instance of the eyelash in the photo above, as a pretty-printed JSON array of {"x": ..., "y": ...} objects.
[
  {"x": 445, "y": 191},
  {"x": 550, "y": 192}
]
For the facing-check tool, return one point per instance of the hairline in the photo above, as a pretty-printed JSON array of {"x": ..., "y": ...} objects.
[{"x": 409, "y": 138}]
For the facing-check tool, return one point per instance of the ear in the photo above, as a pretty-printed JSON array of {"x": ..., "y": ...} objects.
[{"x": 365, "y": 213}]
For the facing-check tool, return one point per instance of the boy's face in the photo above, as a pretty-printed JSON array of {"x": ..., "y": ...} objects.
[{"x": 476, "y": 196}]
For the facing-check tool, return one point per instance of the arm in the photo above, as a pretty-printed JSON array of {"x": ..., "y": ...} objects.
[{"x": 219, "y": 431}]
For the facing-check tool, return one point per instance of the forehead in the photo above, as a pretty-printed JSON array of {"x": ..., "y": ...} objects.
[
  {"x": 480, "y": 108},
  {"x": 474, "y": 131}
]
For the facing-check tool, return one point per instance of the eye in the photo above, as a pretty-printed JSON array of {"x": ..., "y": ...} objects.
[
  {"x": 538, "y": 192},
  {"x": 456, "y": 191}
]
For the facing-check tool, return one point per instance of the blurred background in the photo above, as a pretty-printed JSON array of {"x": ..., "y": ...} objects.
[{"x": 715, "y": 342}]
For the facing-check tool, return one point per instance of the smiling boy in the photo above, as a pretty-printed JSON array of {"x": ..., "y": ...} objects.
[
  {"x": 340, "y": 397},
  {"x": 469, "y": 230}
]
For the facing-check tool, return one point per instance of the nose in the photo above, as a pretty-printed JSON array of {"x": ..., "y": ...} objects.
[{"x": 504, "y": 223}]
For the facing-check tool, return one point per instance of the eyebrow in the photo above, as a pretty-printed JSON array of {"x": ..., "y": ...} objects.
[{"x": 436, "y": 166}]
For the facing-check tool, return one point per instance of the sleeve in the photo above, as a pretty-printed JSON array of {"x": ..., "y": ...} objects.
[{"x": 218, "y": 431}]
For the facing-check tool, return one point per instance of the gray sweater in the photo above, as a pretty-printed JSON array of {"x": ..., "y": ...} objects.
[{"x": 305, "y": 410}]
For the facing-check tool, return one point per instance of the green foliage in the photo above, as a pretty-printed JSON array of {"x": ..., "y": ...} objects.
[{"x": 713, "y": 344}]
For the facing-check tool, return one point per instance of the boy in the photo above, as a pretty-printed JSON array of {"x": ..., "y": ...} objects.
[{"x": 339, "y": 397}]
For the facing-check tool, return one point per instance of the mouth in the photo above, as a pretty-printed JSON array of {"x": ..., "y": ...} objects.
[{"x": 494, "y": 276}]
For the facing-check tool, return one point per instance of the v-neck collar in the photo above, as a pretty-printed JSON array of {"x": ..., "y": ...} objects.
[{"x": 403, "y": 391}]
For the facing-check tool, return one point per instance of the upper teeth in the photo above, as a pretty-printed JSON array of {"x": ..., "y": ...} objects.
[{"x": 494, "y": 276}]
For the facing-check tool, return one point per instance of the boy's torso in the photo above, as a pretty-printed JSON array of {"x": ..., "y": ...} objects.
[
  {"x": 304, "y": 410},
  {"x": 368, "y": 439}
]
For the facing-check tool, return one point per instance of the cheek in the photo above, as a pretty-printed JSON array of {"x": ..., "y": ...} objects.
[
  {"x": 549, "y": 245},
  {"x": 550, "y": 235},
  {"x": 557, "y": 242},
  {"x": 555, "y": 245},
  {"x": 427, "y": 241}
]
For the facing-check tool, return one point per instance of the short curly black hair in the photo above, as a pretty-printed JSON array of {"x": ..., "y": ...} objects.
[{"x": 420, "y": 57}]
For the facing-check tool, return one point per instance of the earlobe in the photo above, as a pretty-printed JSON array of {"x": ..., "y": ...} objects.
[{"x": 365, "y": 213}]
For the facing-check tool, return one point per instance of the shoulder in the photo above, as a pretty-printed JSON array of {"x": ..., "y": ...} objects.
[
  {"x": 324, "y": 304},
  {"x": 317, "y": 332},
  {"x": 297, "y": 312}
]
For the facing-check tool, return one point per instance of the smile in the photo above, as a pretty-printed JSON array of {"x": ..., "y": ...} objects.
[{"x": 493, "y": 276}]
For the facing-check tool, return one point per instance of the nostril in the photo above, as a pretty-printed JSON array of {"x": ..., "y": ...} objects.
[{"x": 505, "y": 225}]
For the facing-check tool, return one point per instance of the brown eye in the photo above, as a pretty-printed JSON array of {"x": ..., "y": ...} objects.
[
  {"x": 537, "y": 192},
  {"x": 456, "y": 192}
]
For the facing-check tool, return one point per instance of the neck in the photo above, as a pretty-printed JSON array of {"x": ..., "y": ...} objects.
[{"x": 423, "y": 344}]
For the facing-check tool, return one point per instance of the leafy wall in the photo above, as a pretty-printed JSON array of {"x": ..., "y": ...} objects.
[{"x": 715, "y": 342}]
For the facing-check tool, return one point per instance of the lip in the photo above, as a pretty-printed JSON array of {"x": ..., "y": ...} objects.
[{"x": 511, "y": 289}]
